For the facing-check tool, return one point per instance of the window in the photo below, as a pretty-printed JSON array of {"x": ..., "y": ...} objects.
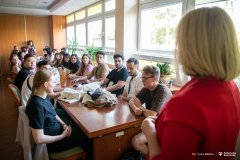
[
  {"x": 80, "y": 15},
  {"x": 81, "y": 34},
  {"x": 110, "y": 32},
  {"x": 109, "y": 5},
  {"x": 95, "y": 33},
  {"x": 158, "y": 26},
  {"x": 70, "y": 34},
  {"x": 70, "y": 18},
  {"x": 94, "y": 24},
  {"x": 232, "y": 8},
  {"x": 95, "y": 9}
]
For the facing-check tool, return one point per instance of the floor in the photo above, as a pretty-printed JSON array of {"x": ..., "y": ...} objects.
[{"x": 9, "y": 149}]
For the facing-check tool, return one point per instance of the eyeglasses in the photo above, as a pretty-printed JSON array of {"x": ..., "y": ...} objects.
[{"x": 144, "y": 79}]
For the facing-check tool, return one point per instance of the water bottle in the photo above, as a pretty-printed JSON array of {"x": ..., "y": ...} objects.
[
  {"x": 63, "y": 74},
  {"x": 170, "y": 84}
]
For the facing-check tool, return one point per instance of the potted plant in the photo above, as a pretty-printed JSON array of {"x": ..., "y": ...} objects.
[
  {"x": 92, "y": 50},
  {"x": 72, "y": 46},
  {"x": 165, "y": 71}
]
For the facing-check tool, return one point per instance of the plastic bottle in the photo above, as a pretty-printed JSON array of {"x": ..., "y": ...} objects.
[
  {"x": 63, "y": 74},
  {"x": 170, "y": 84}
]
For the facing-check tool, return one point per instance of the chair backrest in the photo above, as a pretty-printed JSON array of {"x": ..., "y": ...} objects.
[
  {"x": 16, "y": 93},
  {"x": 10, "y": 80}
]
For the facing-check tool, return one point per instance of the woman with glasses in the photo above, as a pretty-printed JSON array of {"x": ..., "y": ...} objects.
[{"x": 203, "y": 118}]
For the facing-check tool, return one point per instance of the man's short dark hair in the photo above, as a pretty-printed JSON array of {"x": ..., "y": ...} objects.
[
  {"x": 134, "y": 60},
  {"x": 54, "y": 50},
  {"x": 49, "y": 51},
  {"x": 23, "y": 48},
  {"x": 28, "y": 55},
  {"x": 63, "y": 52},
  {"x": 64, "y": 49},
  {"x": 101, "y": 52},
  {"x": 118, "y": 55},
  {"x": 42, "y": 63},
  {"x": 44, "y": 49}
]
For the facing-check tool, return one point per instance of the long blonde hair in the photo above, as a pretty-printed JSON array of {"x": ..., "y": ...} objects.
[
  {"x": 40, "y": 78},
  {"x": 207, "y": 44}
]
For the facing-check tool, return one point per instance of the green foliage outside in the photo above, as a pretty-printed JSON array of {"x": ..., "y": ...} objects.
[
  {"x": 165, "y": 68},
  {"x": 92, "y": 50},
  {"x": 72, "y": 46}
]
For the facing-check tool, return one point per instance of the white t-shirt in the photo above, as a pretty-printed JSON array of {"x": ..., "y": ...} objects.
[
  {"x": 50, "y": 57},
  {"x": 136, "y": 84},
  {"x": 26, "y": 92}
]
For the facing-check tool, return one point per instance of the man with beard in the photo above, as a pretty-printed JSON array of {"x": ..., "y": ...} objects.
[
  {"x": 29, "y": 65},
  {"x": 134, "y": 81},
  {"x": 116, "y": 79}
]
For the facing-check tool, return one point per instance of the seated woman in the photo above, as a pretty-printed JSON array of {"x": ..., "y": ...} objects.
[
  {"x": 57, "y": 61},
  {"x": 74, "y": 64},
  {"x": 21, "y": 57},
  {"x": 47, "y": 127},
  {"x": 15, "y": 65},
  {"x": 203, "y": 116},
  {"x": 85, "y": 68},
  {"x": 65, "y": 62}
]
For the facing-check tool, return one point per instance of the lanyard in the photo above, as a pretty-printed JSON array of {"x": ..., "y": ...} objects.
[
  {"x": 129, "y": 87},
  {"x": 98, "y": 69}
]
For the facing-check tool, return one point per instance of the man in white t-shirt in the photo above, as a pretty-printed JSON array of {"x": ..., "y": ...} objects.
[
  {"x": 134, "y": 81},
  {"x": 28, "y": 83}
]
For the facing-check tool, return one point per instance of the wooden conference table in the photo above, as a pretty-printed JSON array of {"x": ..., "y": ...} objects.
[{"x": 111, "y": 128}]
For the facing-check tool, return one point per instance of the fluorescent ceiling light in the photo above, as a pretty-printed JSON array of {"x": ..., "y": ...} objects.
[{"x": 58, "y": 5}]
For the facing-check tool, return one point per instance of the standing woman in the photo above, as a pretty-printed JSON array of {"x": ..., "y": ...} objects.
[
  {"x": 16, "y": 67},
  {"x": 85, "y": 68},
  {"x": 204, "y": 116},
  {"x": 47, "y": 127},
  {"x": 66, "y": 60},
  {"x": 74, "y": 63},
  {"x": 31, "y": 47}
]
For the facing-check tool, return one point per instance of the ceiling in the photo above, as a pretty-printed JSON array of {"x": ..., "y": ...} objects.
[{"x": 42, "y": 7}]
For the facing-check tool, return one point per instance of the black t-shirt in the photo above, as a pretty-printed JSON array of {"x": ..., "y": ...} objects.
[
  {"x": 20, "y": 77},
  {"x": 115, "y": 76},
  {"x": 74, "y": 67},
  {"x": 42, "y": 115}
]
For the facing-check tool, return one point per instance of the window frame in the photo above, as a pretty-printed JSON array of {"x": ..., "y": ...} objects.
[{"x": 100, "y": 16}]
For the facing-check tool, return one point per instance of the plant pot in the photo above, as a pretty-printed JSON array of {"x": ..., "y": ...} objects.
[{"x": 164, "y": 78}]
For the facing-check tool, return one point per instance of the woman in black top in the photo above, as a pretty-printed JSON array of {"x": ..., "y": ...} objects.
[
  {"x": 47, "y": 127},
  {"x": 66, "y": 60},
  {"x": 74, "y": 63}
]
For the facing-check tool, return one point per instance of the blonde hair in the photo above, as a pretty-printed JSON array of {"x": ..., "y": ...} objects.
[
  {"x": 207, "y": 44},
  {"x": 40, "y": 78}
]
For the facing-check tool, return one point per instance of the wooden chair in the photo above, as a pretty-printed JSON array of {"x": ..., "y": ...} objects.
[
  {"x": 10, "y": 80},
  {"x": 71, "y": 154},
  {"x": 16, "y": 93}
]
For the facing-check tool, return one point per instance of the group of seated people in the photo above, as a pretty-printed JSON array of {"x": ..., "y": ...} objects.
[
  {"x": 203, "y": 117},
  {"x": 124, "y": 82},
  {"x": 15, "y": 62}
]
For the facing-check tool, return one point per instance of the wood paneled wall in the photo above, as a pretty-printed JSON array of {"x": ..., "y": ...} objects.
[
  {"x": 12, "y": 33},
  {"x": 39, "y": 31},
  {"x": 59, "y": 35}
]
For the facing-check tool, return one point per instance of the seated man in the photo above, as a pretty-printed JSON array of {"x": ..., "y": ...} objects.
[
  {"x": 28, "y": 83},
  {"x": 100, "y": 72},
  {"x": 29, "y": 65},
  {"x": 116, "y": 79},
  {"x": 155, "y": 95},
  {"x": 134, "y": 81}
]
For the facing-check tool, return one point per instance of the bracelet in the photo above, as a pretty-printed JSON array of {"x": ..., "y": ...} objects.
[
  {"x": 64, "y": 124},
  {"x": 121, "y": 97}
]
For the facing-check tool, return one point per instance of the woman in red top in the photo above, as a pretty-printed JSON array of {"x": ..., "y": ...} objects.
[{"x": 202, "y": 120}]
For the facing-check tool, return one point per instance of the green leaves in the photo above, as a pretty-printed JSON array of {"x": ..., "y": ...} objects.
[
  {"x": 92, "y": 50},
  {"x": 72, "y": 46},
  {"x": 164, "y": 68}
]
